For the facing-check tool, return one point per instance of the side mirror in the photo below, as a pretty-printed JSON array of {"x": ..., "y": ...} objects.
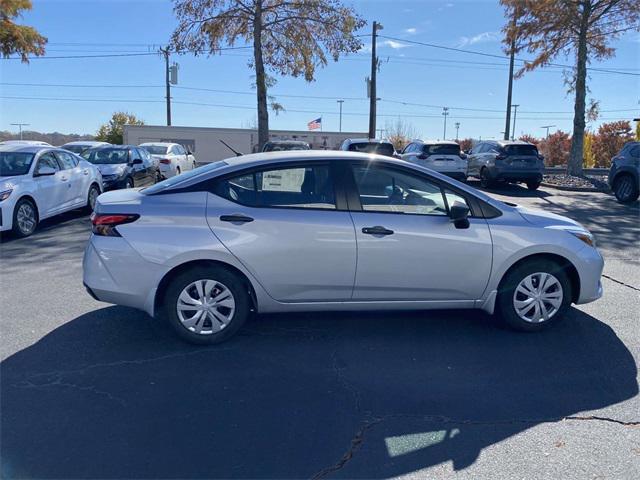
[
  {"x": 189, "y": 152},
  {"x": 44, "y": 171},
  {"x": 422, "y": 156},
  {"x": 459, "y": 213},
  {"x": 136, "y": 161}
]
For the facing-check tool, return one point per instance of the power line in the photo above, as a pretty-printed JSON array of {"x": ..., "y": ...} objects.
[
  {"x": 493, "y": 55},
  {"x": 111, "y": 55}
]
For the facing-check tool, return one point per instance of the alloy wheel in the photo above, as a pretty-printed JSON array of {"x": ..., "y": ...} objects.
[
  {"x": 205, "y": 307},
  {"x": 624, "y": 188},
  {"x": 93, "y": 197},
  {"x": 26, "y": 218},
  {"x": 538, "y": 297}
]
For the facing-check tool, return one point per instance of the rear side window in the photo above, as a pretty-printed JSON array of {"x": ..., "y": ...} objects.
[
  {"x": 293, "y": 187},
  {"x": 444, "y": 149},
  {"x": 521, "y": 150}
]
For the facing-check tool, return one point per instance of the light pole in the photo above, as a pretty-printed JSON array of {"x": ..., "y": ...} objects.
[
  {"x": 372, "y": 86},
  {"x": 445, "y": 113},
  {"x": 515, "y": 112},
  {"x": 20, "y": 125},
  {"x": 457, "y": 124},
  {"x": 547, "y": 127},
  {"x": 340, "y": 102}
]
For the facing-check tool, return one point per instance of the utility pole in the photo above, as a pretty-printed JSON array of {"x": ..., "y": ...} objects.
[
  {"x": 457, "y": 129},
  {"x": 20, "y": 125},
  {"x": 515, "y": 112},
  {"x": 373, "y": 97},
  {"x": 340, "y": 102},
  {"x": 512, "y": 54},
  {"x": 165, "y": 52},
  {"x": 547, "y": 127},
  {"x": 445, "y": 113}
]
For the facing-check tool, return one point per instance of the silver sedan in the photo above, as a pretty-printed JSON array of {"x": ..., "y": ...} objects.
[{"x": 320, "y": 231}]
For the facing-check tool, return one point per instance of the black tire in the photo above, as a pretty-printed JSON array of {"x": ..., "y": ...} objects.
[
  {"x": 24, "y": 206},
  {"x": 178, "y": 172},
  {"x": 533, "y": 185},
  {"x": 485, "y": 179},
  {"x": 158, "y": 177},
  {"x": 230, "y": 280},
  {"x": 625, "y": 188},
  {"x": 505, "y": 309},
  {"x": 92, "y": 195},
  {"x": 129, "y": 183}
]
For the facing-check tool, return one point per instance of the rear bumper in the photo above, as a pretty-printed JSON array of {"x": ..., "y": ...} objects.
[{"x": 515, "y": 175}]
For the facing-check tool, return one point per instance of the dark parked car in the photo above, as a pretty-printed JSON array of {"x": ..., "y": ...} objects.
[
  {"x": 506, "y": 161},
  {"x": 369, "y": 145},
  {"x": 624, "y": 175},
  {"x": 282, "y": 145},
  {"x": 124, "y": 166}
]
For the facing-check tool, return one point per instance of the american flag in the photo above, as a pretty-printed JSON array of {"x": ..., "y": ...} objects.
[{"x": 315, "y": 124}]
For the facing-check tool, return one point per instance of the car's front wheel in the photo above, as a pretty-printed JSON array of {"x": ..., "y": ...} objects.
[
  {"x": 128, "y": 183},
  {"x": 25, "y": 218},
  {"x": 534, "y": 295},
  {"x": 485, "y": 178},
  {"x": 625, "y": 188},
  {"x": 206, "y": 305}
]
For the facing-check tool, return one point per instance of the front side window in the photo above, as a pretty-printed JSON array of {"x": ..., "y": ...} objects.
[
  {"x": 48, "y": 160},
  {"x": 390, "y": 190},
  {"x": 295, "y": 187}
]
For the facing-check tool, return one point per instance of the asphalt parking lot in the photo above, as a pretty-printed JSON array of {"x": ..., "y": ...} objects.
[{"x": 93, "y": 390}]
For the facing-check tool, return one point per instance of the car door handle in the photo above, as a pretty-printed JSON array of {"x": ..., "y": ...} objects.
[
  {"x": 85, "y": 172},
  {"x": 236, "y": 218},
  {"x": 377, "y": 230},
  {"x": 64, "y": 179}
]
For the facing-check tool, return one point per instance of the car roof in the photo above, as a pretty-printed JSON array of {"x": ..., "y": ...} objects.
[
  {"x": 25, "y": 148},
  {"x": 157, "y": 144},
  {"x": 86, "y": 142},
  {"x": 289, "y": 142},
  {"x": 435, "y": 142},
  {"x": 504, "y": 143},
  {"x": 366, "y": 140}
]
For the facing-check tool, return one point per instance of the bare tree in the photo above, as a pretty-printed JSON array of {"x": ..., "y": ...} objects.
[
  {"x": 580, "y": 28},
  {"x": 400, "y": 133},
  {"x": 289, "y": 37}
]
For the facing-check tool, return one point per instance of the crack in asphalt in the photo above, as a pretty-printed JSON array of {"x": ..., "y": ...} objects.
[
  {"x": 59, "y": 383},
  {"x": 359, "y": 438},
  {"x": 621, "y": 282}
]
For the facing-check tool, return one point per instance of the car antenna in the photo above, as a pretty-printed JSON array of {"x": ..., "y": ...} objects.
[{"x": 238, "y": 154}]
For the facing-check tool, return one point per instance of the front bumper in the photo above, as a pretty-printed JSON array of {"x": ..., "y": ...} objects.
[
  {"x": 589, "y": 266},
  {"x": 113, "y": 183}
]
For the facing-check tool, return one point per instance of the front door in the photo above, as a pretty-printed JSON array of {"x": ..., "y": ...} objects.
[
  {"x": 53, "y": 190},
  {"x": 408, "y": 249},
  {"x": 283, "y": 223}
]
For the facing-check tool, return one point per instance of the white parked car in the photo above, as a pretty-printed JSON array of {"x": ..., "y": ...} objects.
[
  {"x": 440, "y": 155},
  {"x": 39, "y": 182},
  {"x": 173, "y": 157},
  {"x": 26, "y": 142},
  {"x": 83, "y": 145}
]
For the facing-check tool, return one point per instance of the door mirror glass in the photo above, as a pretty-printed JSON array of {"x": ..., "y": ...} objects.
[
  {"x": 44, "y": 171},
  {"x": 459, "y": 213},
  {"x": 422, "y": 156},
  {"x": 136, "y": 161}
]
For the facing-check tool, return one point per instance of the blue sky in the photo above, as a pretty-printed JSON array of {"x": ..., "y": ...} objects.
[{"x": 474, "y": 87}]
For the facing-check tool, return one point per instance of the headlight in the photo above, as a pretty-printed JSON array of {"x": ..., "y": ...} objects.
[
  {"x": 586, "y": 237},
  {"x": 109, "y": 177},
  {"x": 4, "y": 195}
]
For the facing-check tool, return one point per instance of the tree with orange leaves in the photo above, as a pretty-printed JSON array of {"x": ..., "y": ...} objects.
[{"x": 580, "y": 28}]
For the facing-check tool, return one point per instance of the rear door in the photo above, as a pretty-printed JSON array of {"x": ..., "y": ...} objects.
[
  {"x": 408, "y": 249},
  {"x": 290, "y": 228}
]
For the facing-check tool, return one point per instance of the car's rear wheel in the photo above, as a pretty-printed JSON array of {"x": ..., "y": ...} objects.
[
  {"x": 625, "y": 188},
  {"x": 534, "y": 295},
  {"x": 92, "y": 197},
  {"x": 485, "y": 178},
  {"x": 25, "y": 218},
  {"x": 206, "y": 305},
  {"x": 533, "y": 185}
]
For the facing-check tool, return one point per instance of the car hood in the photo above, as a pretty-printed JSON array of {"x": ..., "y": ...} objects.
[
  {"x": 112, "y": 169},
  {"x": 546, "y": 219}
]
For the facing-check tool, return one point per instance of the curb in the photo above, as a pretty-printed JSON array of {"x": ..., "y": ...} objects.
[{"x": 574, "y": 189}]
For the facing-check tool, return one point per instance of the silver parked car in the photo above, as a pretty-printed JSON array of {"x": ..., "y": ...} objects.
[{"x": 321, "y": 230}]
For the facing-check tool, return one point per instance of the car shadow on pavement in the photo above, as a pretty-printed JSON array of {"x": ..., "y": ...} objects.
[
  {"x": 112, "y": 394},
  {"x": 509, "y": 189}
]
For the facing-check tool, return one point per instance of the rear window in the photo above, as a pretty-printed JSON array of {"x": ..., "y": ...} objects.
[
  {"x": 442, "y": 149},
  {"x": 521, "y": 150},
  {"x": 155, "y": 149},
  {"x": 170, "y": 182},
  {"x": 373, "y": 147}
]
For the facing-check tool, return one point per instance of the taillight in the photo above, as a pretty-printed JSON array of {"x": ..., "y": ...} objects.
[
  {"x": 165, "y": 161},
  {"x": 105, "y": 224},
  {"x": 501, "y": 156}
]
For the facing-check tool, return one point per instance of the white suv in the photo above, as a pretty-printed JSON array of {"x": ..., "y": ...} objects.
[
  {"x": 440, "y": 155},
  {"x": 173, "y": 157}
]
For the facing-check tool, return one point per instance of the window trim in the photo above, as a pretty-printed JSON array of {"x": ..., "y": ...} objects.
[
  {"x": 353, "y": 194},
  {"x": 339, "y": 202}
]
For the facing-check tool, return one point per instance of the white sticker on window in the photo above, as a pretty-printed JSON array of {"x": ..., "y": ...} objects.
[{"x": 283, "y": 180}]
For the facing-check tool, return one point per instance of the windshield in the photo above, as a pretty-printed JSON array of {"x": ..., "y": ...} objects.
[
  {"x": 444, "y": 149},
  {"x": 521, "y": 150},
  {"x": 107, "y": 156},
  {"x": 170, "y": 182},
  {"x": 155, "y": 149},
  {"x": 278, "y": 147},
  {"x": 373, "y": 147},
  {"x": 15, "y": 163},
  {"x": 75, "y": 148}
]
